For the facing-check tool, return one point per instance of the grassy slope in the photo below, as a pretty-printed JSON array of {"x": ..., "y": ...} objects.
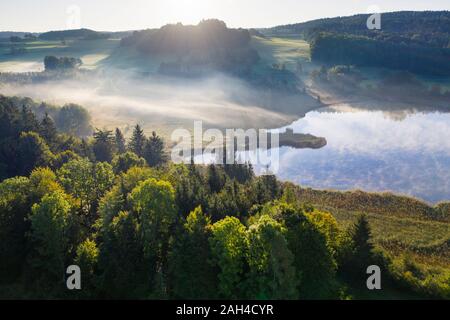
[
  {"x": 281, "y": 50},
  {"x": 401, "y": 225},
  {"x": 90, "y": 51}
]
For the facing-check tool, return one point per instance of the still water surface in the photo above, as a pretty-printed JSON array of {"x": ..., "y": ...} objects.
[{"x": 403, "y": 152}]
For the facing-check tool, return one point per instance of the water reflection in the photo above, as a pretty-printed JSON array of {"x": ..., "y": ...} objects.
[{"x": 405, "y": 152}]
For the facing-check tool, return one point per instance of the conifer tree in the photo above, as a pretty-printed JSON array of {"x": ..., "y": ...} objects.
[
  {"x": 48, "y": 129},
  {"x": 137, "y": 141},
  {"x": 120, "y": 142},
  {"x": 154, "y": 151}
]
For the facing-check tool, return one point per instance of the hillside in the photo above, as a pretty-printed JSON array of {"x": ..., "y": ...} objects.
[
  {"x": 413, "y": 41},
  {"x": 423, "y": 28},
  {"x": 189, "y": 49},
  {"x": 74, "y": 34}
]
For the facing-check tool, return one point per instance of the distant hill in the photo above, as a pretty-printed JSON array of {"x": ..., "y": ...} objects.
[
  {"x": 188, "y": 48},
  {"x": 422, "y": 28},
  {"x": 8, "y": 34},
  {"x": 73, "y": 34},
  {"x": 418, "y": 42}
]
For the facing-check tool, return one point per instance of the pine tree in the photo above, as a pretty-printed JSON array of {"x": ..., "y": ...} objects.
[
  {"x": 86, "y": 150},
  {"x": 137, "y": 142},
  {"x": 154, "y": 151},
  {"x": 356, "y": 251},
  {"x": 49, "y": 225},
  {"x": 216, "y": 179},
  {"x": 28, "y": 121},
  {"x": 32, "y": 151},
  {"x": 48, "y": 129},
  {"x": 103, "y": 145},
  {"x": 120, "y": 142},
  {"x": 193, "y": 277},
  {"x": 361, "y": 245}
]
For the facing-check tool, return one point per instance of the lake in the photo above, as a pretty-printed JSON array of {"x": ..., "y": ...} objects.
[{"x": 405, "y": 152}]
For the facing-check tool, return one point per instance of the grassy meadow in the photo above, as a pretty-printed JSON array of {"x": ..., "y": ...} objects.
[{"x": 92, "y": 52}]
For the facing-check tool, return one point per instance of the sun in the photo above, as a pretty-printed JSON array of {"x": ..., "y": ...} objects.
[{"x": 189, "y": 11}]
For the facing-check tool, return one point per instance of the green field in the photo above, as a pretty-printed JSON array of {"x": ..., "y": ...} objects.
[
  {"x": 286, "y": 51},
  {"x": 91, "y": 52},
  {"x": 425, "y": 240}
]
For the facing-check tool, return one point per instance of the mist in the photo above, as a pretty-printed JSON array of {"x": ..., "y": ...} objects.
[{"x": 117, "y": 98}]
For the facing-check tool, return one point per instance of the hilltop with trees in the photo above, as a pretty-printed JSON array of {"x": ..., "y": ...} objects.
[
  {"x": 74, "y": 34},
  {"x": 187, "y": 49}
]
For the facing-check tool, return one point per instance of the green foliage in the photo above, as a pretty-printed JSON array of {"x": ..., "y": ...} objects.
[
  {"x": 380, "y": 203},
  {"x": 433, "y": 282},
  {"x": 357, "y": 251},
  {"x": 125, "y": 161},
  {"x": 49, "y": 224},
  {"x": 272, "y": 273},
  {"x": 229, "y": 247},
  {"x": 408, "y": 40},
  {"x": 363, "y": 51},
  {"x": 313, "y": 259},
  {"x": 14, "y": 207},
  {"x": 121, "y": 259},
  {"x": 216, "y": 178},
  {"x": 74, "y": 119},
  {"x": 48, "y": 130},
  {"x": 193, "y": 276},
  {"x": 103, "y": 145},
  {"x": 87, "y": 259},
  {"x": 208, "y": 44},
  {"x": 120, "y": 141},
  {"x": 328, "y": 226},
  {"x": 55, "y": 63},
  {"x": 153, "y": 151},
  {"x": 32, "y": 151},
  {"x": 86, "y": 181},
  {"x": 266, "y": 189},
  {"x": 137, "y": 141},
  {"x": 42, "y": 181},
  {"x": 72, "y": 34},
  {"x": 154, "y": 203},
  {"x": 146, "y": 232}
]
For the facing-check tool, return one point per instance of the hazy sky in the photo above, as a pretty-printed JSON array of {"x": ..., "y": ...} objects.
[{"x": 44, "y": 15}]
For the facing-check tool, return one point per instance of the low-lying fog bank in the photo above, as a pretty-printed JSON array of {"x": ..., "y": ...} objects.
[{"x": 121, "y": 99}]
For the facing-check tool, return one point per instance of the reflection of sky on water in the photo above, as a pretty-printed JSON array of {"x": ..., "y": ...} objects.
[{"x": 374, "y": 151}]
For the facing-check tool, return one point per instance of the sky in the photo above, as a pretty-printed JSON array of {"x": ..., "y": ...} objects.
[{"x": 115, "y": 15}]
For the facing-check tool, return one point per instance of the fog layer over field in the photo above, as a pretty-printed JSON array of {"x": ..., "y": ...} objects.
[{"x": 117, "y": 98}]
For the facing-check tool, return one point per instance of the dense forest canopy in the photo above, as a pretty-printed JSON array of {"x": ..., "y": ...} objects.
[
  {"x": 413, "y": 41},
  {"x": 141, "y": 227},
  {"x": 208, "y": 43},
  {"x": 430, "y": 28},
  {"x": 85, "y": 34},
  {"x": 57, "y": 63}
]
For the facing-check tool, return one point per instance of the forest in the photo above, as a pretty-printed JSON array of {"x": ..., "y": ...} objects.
[
  {"x": 209, "y": 44},
  {"x": 412, "y": 41},
  {"x": 141, "y": 227}
]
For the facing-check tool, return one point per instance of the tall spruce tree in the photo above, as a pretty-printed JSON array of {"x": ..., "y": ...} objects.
[
  {"x": 120, "y": 142},
  {"x": 48, "y": 129},
  {"x": 137, "y": 141},
  {"x": 103, "y": 145},
  {"x": 154, "y": 151}
]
